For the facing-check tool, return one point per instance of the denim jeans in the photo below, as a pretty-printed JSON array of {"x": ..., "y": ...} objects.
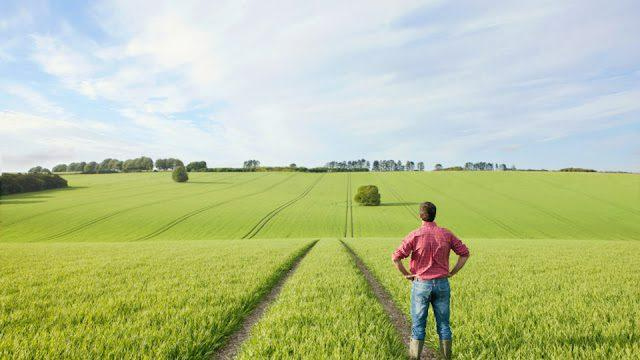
[{"x": 437, "y": 293}]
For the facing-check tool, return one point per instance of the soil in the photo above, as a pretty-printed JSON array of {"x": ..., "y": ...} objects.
[
  {"x": 397, "y": 317},
  {"x": 235, "y": 340}
]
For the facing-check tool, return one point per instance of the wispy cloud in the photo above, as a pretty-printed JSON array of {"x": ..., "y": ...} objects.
[{"x": 434, "y": 81}]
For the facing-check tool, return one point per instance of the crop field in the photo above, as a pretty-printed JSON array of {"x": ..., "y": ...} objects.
[
  {"x": 335, "y": 308},
  {"x": 532, "y": 299},
  {"x": 135, "y": 265},
  {"x": 134, "y": 207},
  {"x": 115, "y": 300}
]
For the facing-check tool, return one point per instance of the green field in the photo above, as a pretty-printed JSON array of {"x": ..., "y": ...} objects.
[
  {"x": 135, "y": 265},
  {"x": 505, "y": 205}
]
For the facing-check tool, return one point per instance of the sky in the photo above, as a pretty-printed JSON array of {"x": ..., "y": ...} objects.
[{"x": 536, "y": 84}]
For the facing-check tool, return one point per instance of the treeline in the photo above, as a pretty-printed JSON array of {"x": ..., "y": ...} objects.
[
  {"x": 376, "y": 165},
  {"x": 573, "y": 169},
  {"x": 19, "y": 183},
  {"x": 109, "y": 165},
  {"x": 487, "y": 166},
  {"x": 392, "y": 165}
]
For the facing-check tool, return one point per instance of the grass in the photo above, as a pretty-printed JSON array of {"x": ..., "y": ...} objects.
[
  {"x": 325, "y": 311},
  {"x": 532, "y": 299},
  {"x": 110, "y": 267},
  {"x": 120, "y": 300},
  {"x": 130, "y": 207}
]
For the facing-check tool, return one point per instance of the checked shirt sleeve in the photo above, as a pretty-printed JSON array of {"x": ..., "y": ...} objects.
[
  {"x": 405, "y": 249},
  {"x": 458, "y": 246}
]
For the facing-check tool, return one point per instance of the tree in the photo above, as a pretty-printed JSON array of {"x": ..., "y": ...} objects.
[
  {"x": 410, "y": 165},
  {"x": 161, "y": 164},
  {"x": 376, "y": 165},
  {"x": 421, "y": 166},
  {"x": 293, "y": 165},
  {"x": 368, "y": 195},
  {"x": 35, "y": 170},
  {"x": 90, "y": 168},
  {"x": 438, "y": 167},
  {"x": 196, "y": 166},
  {"x": 251, "y": 165},
  {"x": 60, "y": 168},
  {"x": 180, "y": 174}
]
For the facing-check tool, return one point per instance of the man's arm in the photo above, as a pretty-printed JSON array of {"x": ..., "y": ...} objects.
[
  {"x": 403, "y": 270},
  {"x": 403, "y": 251},
  {"x": 459, "y": 265},
  {"x": 462, "y": 251}
]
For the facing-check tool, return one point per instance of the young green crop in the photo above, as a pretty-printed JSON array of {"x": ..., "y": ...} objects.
[
  {"x": 125, "y": 207},
  {"x": 325, "y": 311},
  {"x": 533, "y": 299},
  {"x": 121, "y": 300}
]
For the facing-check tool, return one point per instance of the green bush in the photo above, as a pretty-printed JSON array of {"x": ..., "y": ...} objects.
[
  {"x": 180, "y": 174},
  {"x": 19, "y": 183},
  {"x": 368, "y": 195}
]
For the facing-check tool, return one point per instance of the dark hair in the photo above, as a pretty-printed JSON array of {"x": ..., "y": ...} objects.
[{"x": 427, "y": 211}]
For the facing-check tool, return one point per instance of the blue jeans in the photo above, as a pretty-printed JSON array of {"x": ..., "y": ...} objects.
[{"x": 437, "y": 293}]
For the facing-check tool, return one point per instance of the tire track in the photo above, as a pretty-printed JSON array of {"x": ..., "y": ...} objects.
[
  {"x": 230, "y": 349},
  {"x": 348, "y": 215},
  {"x": 118, "y": 212},
  {"x": 399, "y": 198},
  {"x": 273, "y": 213},
  {"x": 397, "y": 318},
  {"x": 351, "y": 203},
  {"x": 571, "y": 190},
  {"x": 205, "y": 208},
  {"x": 496, "y": 222},
  {"x": 526, "y": 203},
  {"x": 110, "y": 198}
]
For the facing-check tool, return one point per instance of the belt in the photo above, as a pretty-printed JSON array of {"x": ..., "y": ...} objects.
[{"x": 425, "y": 280}]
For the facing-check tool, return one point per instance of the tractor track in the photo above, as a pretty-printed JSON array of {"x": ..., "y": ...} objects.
[
  {"x": 570, "y": 190},
  {"x": 400, "y": 198},
  {"x": 230, "y": 349},
  {"x": 273, "y": 213},
  {"x": 348, "y": 216},
  {"x": 118, "y": 212},
  {"x": 397, "y": 318},
  {"x": 205, "y": 208},
  {"x": 113, "y": 198},
  {"x": 546, "y": 212},
  {"x": 496, "y": 222}
]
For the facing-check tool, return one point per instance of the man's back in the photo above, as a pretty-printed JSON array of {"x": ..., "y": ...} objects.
[{"x": 429, "y": 247}]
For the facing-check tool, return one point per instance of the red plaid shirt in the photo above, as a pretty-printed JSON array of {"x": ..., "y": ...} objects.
[{"x": 429, "y": 248}]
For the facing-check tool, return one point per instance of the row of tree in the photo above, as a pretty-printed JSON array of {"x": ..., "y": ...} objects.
[
  {"x": 168, "y": 164},
  {"x": 19, "y": 183},
  {"x": 486, "y": 166},
  {"x": 392, "y": 165}
]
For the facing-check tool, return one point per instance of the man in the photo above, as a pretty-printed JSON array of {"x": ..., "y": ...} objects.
[{"x": 429, "y": 247}]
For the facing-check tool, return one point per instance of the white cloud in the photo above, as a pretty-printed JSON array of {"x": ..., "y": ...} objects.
[{"x": 335, "y": 79}]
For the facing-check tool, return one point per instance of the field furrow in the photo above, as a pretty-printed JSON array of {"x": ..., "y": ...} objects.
[
  {"x": 325, "y": 310},
  {"x": 206, "y": 208},
  {"x": 258, "y": 226}
]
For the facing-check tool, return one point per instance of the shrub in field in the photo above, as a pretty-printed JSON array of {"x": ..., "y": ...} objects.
[
  {"x": 368, "y": 195},
  {"x": 180, "y": 174},
  {"x": 19, "y": 183}
]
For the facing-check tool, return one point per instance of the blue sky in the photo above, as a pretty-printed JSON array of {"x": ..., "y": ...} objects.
[{"x": 544, "y": 84}]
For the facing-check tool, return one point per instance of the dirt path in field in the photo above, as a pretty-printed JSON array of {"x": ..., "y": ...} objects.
[
  {"x": 235, "y": 340},
  {"x": 397, "y": 317}
]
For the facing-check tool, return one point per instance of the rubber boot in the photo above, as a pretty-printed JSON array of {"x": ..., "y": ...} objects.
[
  {"x": 445, "y": 349},
  {"x": 415, "y": 348}
]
